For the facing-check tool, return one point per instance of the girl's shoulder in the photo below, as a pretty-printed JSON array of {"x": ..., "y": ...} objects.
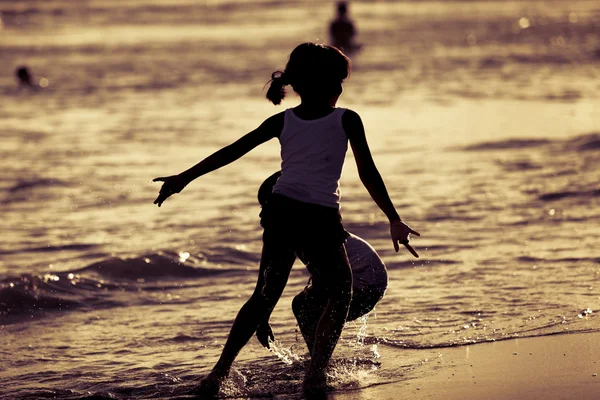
[
  {"x": 350, "y": 116},
  {"x": 352, "y": 123},
  {"x": 276, "y": 117},
  {"x": 349, "y": 113},
  {"x": 275, "y": 123}
]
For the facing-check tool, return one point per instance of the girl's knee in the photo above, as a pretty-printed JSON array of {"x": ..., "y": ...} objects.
[
  {"x": 298, "y": 304},
  {"x": 261, "y": 301},
  {"x": 342, "y": 287},
  {"x": 343, "y": 295}
]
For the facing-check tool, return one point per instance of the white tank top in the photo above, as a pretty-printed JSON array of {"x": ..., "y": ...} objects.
[{"x": 312, "y": 157}]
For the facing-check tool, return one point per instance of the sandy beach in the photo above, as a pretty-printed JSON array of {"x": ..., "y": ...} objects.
[{"x": 550, "y": 368}]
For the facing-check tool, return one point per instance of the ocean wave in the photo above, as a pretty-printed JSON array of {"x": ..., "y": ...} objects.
[
  {"x": 581, "y": 143},
  {"x": 32, "y": 295},
  {"x": 567, "y": 95},
  {"x": 36, "y": 183},
  {"x": 113, "y": 282},
  {"x": 518, "y": 165},
  {"x": 557, "y": 59},
  {"x": 64, "y": 394},
  {"x": 421, "y": 263},
  {"x": 536, "y": 260},
  {"x": 492, "y": 62},
  {"x": 181, "y": 338},
  {"x": 552, "y": 196},
  {"x": 536, "y": 332},
  {"x": 151, "y": 267},
  {"x": 586, "y": 142},
  {"x": 49, "y": 249},
  {"x": 508, "y": 144}
]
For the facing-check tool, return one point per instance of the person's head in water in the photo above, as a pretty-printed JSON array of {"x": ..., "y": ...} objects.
[
  {"x": 315, "y": 71},
  {"x": 342, "y": 8},
  {"x": 23, "y": 76}
]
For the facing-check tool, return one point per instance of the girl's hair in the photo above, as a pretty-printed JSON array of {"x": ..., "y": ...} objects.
[{"x": 314, "y": 70}]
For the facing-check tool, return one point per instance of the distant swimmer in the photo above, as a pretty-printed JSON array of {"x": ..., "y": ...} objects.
[
  {"x": 342, "y": 30},
  {"x": 23, "y": 76},
  {"x": 25, "y": 79},
  {"x": 369, "y": 281}
]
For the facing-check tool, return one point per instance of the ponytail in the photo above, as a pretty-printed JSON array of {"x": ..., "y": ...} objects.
[
  {"x": 276, "y": 91},
  {"x": 313, "y": 70}
]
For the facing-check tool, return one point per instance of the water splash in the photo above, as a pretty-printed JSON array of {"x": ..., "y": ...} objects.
[
  {"x": 361, "y": 333},
  {"x": 351, "y": 373},
  {"x": 285, "y": 354},
  {"x": 234, "y": 385}
]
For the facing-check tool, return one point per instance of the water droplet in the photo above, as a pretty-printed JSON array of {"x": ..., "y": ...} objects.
[
  {"x": 183, "y": 255},
  {"x": 524, "y": 23},
  {"x": 573, "y": 18}
]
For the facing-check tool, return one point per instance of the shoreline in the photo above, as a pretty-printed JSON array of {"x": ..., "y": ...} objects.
[{"x": 563, "y": 366}]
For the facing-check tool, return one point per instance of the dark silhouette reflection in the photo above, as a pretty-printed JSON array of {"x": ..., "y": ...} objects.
[
  {"x": 24, "y": 77},
  {"x": 342, "y": 30}
]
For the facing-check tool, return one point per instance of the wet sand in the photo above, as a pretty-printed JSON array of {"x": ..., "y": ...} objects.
[{"x": 550, "y": 367}]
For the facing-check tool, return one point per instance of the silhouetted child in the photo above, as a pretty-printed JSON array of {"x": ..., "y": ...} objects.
[
  {"x": 369, "y": 282},
  {"x": 342, "y": 30},
  {"x": 303, "y": 216}
]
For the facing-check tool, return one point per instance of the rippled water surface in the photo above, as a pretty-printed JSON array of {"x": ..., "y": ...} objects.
[{"x": 483, "y": 118}]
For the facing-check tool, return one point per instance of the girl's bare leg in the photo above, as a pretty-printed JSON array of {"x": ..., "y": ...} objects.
[
  {"x": 333, "y": 318},
  {"x": 308, "y": 307},
  {"x": 275, "y": 266}
]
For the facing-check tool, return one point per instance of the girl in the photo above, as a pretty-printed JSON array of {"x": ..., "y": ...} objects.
[
  {"x": 303, "y": 216},
  {"x": 369, "y": 282}
]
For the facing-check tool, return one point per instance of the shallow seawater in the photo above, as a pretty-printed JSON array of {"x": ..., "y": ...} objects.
[{"x": 484, "y": 121}]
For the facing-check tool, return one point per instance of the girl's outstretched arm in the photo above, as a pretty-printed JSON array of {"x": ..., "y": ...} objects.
[
  {"x": 370, "y": 177},
  {"x": 174, "y": 184}
]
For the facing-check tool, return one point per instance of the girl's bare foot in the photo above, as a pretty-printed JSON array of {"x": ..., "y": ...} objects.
[
  {"x": 315, "y": 384},
  {"x": 210, "y": 385}
]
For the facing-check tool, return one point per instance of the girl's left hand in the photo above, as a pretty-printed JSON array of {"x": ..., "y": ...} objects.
[
  {"x": 400, "y": 231},
  {"x": 172, "y": 184}
]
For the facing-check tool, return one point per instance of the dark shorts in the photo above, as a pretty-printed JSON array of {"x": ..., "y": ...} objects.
[
  {"x": 313, "y": 232},
  {"x": 307, "y": 228}
]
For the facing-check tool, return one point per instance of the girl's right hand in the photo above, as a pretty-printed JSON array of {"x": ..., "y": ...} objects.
[
  {"x": 400, "y": 231},
  {"x": 264, "y": 333},
  {"x": 172, "y": 184}
]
